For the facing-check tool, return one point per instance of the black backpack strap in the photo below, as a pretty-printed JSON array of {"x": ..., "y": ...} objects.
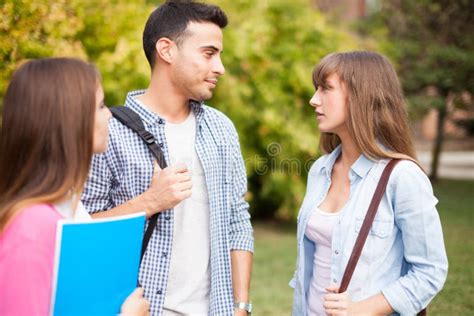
[{"x": 132, "y": 120}]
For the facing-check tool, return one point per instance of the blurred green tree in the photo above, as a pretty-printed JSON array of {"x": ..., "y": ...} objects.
[
  {"x": 108, "y": 34},
  {"x": 433, "y": 43}
]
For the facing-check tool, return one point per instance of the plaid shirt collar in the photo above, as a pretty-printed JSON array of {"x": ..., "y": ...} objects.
[{"x": 152, "y": 118}]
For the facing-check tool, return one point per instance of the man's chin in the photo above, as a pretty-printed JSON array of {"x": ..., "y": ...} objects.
[{"x": 205, "y": 96}]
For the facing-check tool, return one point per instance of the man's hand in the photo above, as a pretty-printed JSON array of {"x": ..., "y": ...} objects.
[{"x": 168, "y": 187}]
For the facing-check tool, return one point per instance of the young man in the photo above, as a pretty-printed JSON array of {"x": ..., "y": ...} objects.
[{"x": 199, "y": 258}]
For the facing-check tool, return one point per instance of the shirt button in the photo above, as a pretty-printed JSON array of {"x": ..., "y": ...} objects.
[
  {"x": 161, "y": 145},
  {"x": 164, "y": 254},
  {"x": 161, "y": 121},
  {"x": 159, "y": 292},
  {"x": 336, "y": 252},
  {"x": 167, "y": 217},
  {"x": 334, "y": 280}
]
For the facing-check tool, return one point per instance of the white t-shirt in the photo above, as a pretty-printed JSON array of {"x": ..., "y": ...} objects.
[
  {"x": 188, "y": 287},
  {"x": 65, "y": 208}
]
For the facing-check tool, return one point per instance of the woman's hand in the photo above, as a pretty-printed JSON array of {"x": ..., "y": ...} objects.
[
  {"x": 135, "y": 304},
  {"x": 341, "y": 304},
  {"x": 337, "y": 303}
]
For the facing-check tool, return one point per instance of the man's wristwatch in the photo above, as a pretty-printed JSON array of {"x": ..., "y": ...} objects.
[{"x": 245, "y": 306}]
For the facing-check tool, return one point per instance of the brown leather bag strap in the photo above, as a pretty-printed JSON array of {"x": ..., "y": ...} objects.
[{"x": 364, "y": 230}]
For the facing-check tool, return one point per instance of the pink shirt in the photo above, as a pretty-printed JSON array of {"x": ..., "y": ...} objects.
[{"x": 26, "y": 261}]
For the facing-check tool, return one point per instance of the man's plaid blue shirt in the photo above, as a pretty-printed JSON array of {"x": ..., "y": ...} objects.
[{"x": 125, "y": 170}]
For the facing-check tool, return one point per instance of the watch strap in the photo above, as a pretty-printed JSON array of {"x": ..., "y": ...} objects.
[{"x": 245, "y": 306}]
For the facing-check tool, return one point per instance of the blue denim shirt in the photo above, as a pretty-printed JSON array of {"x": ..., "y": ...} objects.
[{"x": 404, "y": 256}]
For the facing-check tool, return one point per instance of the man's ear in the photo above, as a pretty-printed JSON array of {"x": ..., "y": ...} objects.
[{"x": 164, "y": 49}]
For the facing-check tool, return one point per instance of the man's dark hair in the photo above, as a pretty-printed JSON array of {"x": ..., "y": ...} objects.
[{"x": 171, "y": 19}]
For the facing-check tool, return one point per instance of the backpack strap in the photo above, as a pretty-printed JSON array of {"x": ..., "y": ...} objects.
[{"x": 132, "y": 120}]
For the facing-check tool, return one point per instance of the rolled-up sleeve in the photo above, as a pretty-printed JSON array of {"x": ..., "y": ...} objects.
[
  {"x": 241, "y": 232},
  {"x": 424, "y": 251}
]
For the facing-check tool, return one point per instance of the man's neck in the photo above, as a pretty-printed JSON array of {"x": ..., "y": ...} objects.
[{"x": 162, "y": 98}]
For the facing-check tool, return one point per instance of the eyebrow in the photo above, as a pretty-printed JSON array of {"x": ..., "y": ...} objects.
[{"x": 211, "y": 47}]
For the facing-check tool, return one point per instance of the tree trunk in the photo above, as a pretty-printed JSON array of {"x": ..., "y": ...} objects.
[{"x": 438, "y": 144}]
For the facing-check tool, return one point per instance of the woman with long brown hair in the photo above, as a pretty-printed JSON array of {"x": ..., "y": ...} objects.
[
  {"x": 361, "y": 115},
  {"x": 54, "y": 119}
]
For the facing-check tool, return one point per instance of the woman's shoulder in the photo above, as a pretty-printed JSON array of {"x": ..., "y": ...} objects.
[
  {"x": 42, "y": 213},
  {"x": 408, "y": 176},
  {"x": 409, "y": 168},
  {"x": 33, "y": 222}
]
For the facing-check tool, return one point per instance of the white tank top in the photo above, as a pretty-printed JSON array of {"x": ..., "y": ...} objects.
[{"x": 319, "y": 230}]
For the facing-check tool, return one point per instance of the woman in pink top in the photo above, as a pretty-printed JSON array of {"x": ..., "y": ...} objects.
[{"x": 54, "y": 119}]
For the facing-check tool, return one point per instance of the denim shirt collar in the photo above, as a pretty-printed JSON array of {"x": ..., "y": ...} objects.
[
  {"x": 360, "y": 168},
  {"x": 151, "y": 117},
  {"x": 326, "y": 167}
]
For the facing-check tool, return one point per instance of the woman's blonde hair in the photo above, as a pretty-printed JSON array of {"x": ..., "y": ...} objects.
[
  {"x": 375, "y": 105},
  {"x": 46, "y": 139}
]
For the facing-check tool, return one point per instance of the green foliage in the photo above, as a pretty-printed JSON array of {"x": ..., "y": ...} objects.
[
  {"x": 32, "y": 30},
  {"x": 99, "y": 31},
  {"x": 432, "y": 42}
]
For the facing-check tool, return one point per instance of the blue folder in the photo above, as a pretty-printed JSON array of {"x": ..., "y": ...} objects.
[{"x": 96, "y": 264}]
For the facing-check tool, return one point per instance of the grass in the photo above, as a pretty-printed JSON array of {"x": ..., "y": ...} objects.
[{"x": 275, "y": 255}]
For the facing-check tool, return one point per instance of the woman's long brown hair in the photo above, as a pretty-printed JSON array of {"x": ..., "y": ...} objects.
[
  {"x": 46, "y": 137},
  {"x": 376, "y": 108}
]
